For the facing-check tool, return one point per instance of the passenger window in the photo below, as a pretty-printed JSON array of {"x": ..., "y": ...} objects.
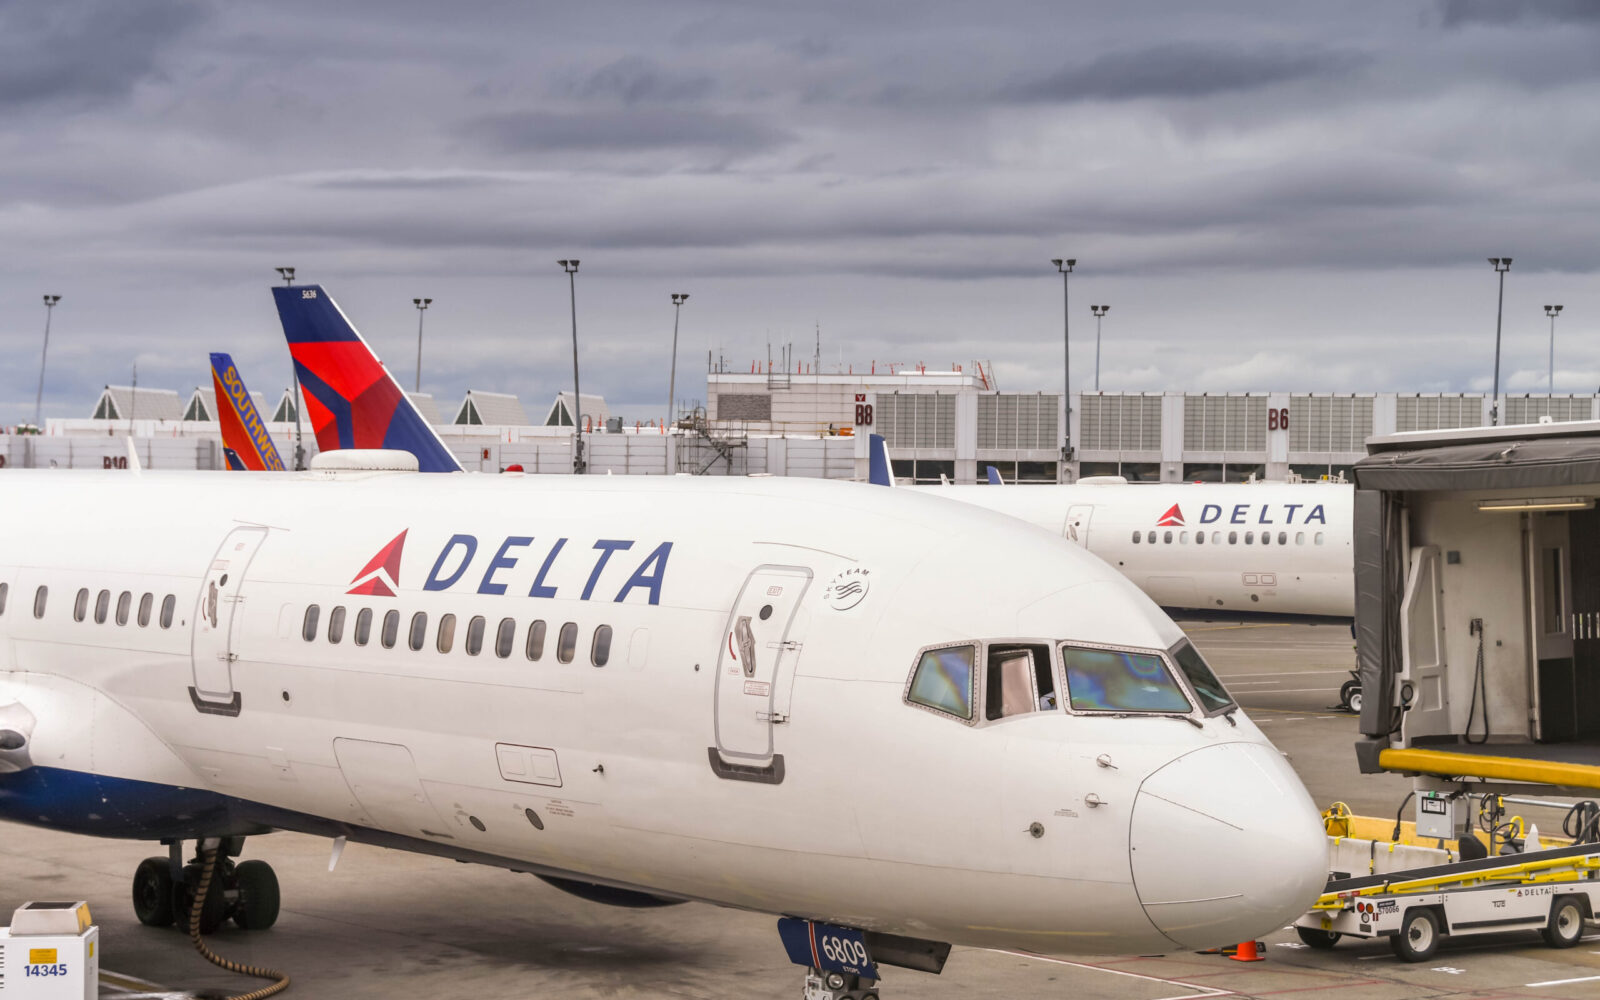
[
  {"x": 308, "y": 628},
  {"x": 1166, "y": 539},
  {"x": 124, "y": 605},
  {"x": 363, "y": 627},
  {"x": 600, "y": 652},
  {"x": 1266, "y": 538},
  {"x": 146, "y": 604},
  {"x": 505, "y": 638},
  {"x": 391, "y": 629},
  {"x": 1183, "y": 538},
  {"x": 1319, "y": 538},
  {"x": 419, "y": 630},
  {"x": 102, "y": 606},
  {"x": 1213, "y": 695},
  {"x": 80, "y": 606},
  {"x": 1216, "y": 538},
  {"x": 1111, "y": 680},
  {"x": 1150, "y": 537},
  {"x": 5, "y": 591},
  {"x": 40, "y": 598},
  {"x": 567, "y": 643},
  {"x": 169, "y": 606},
  {"x": 1137, "y": 535},
  {"x": 1299, "y": 538},
  {"x": 535, "y": 640},
  {"x": 943, "y": 681},
  {"x": 1199, "y": 538},
  {"x": 475, "y": 635},
  {"x": 447, "y": 633},
  {"x": 1233, "y": 538},
  {"x": 336, "y": 625},
  {"x": 1283, "y": 538},
  {"x": 1249, "y": 538}
]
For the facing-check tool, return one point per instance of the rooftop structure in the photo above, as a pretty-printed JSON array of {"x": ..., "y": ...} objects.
[
  {"x": 121, "y": 402},
  {"x": 492, "y": 408}
]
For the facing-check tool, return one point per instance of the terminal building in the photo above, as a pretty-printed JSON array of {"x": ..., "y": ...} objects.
[{"x": 939, "y": 425}]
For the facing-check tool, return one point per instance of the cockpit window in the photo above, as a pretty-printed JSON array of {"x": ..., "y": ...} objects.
[
  {"x": 943, "y": 680},
  {"x": 1114, "y": 680},
  {"x": 1213, "y": 696}
]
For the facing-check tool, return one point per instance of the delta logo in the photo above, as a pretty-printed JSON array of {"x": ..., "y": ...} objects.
[
  {"x": 381, "y": 575},
  {"x": 1173, "y": 518}
]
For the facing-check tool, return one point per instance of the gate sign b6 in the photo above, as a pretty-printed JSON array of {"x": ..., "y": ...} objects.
[{"x": 1278, "y": 418}]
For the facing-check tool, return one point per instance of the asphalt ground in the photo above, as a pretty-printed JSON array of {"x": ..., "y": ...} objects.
[{"x": 388, "y": 924}]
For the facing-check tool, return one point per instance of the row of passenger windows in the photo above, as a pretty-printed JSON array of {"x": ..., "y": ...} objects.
[
  {"x": 1182, "y": 538},
  {"x": 506, "y": 634},
  {"x": 102, "y": 607}
]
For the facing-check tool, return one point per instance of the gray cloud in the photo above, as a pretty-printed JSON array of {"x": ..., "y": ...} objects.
[
  {"x": 622, "y": 130},
  {"x": 99, "y": 50},
  {"x": 1184, "y": 70},
  {"x": 1456, "y": 13},
  {"x": 635, "y": 80}
]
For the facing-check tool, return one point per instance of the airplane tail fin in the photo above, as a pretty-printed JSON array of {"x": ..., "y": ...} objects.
[
  {"x": 245, "y": 441},
  {"x": 879, "y": 471},
  {"x": 994, "y": 477},
  {"x": 351, "y": 398}
]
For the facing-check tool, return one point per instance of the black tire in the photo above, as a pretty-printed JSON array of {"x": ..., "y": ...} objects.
[
  {"x": 1566, "y": 923},
  {"x": 1316, "y": 937},
  {"x": 1349, "y": 695},
  {"x": 152, "y": 893},
  {"x": 1419, "y": 935},
  {"x": 215, "y": 912},
  {"x": 258, "y": 896},
  {"x": 1355, "y": 700}
]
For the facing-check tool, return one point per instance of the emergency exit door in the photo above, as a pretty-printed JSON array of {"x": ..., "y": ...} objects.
[
  {"x": 758, "y": 655},
  {"x": 215, "y": 623}
]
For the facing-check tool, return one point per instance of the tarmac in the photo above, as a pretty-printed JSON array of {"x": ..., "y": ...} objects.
[{"x": 387, "y": 924}]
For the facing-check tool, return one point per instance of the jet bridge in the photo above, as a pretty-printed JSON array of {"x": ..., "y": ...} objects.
[{"x": 1477, "y": 581}]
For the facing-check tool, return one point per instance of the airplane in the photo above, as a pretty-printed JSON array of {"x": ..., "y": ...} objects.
[
  {"x": 795, "y": 697},
  {"x": 1231, "y": 551},
  {"x": 351, "y": 397},
  {"x": 246, "y": 444}
]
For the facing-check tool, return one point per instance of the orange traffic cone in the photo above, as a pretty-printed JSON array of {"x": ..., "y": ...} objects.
[{"x": 1248, "y": 951}]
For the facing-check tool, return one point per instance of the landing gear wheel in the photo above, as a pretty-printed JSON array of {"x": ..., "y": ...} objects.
[
  {"x": 1350, "y": 695},
  {"x": 1316, "y": 937},
  {"x": 1566, "y": 924},
  {"x": 1419, "y": 935},
  {"x": 215, "y": 911},
  {"x": 257, "y": 908},
  {"x": 152, "y": 893}
]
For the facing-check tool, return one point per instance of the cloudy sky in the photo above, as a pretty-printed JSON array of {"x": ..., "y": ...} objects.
[{"x": 1268, "y": 195}]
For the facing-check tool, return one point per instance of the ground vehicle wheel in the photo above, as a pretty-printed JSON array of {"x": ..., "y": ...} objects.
[
  {"x": 1318, "y": 938},
  {"x": 152, "y": 893},
  {"x": 1350, "y": 695},
  {"x": 1566, "y": 923},
  {"x": 1419, "y": 935},
  {"x": 1355, "y": 700},
  {"x": 215, "y": 911},
  {"x": 258, "y": 896}
]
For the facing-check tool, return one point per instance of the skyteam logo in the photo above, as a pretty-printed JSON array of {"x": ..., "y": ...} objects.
[
  {"x": 381, "y": 575},
  {"x": 1173, "y": 518}
]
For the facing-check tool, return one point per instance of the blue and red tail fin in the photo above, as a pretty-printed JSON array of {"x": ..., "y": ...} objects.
[
  {"x": 351, "y": 399},
  {"x": 245, "y": 440}
]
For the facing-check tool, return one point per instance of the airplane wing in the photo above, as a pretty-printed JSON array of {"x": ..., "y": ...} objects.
[
  {"x": 245, "y": 440},
  {"x": 879, "y": 471},
  {"x": 351, "y": 398}
]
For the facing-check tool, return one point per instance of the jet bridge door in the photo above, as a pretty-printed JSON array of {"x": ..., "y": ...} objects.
[
  {"x": 1424, "y": 666},
  {"x": 757, "y": 658},
  {"x": 215, "y": 622},
  {"x": 1077, "y": 529}
]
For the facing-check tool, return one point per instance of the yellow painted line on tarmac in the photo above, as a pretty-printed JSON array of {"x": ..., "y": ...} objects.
[{"x": 1225, "y": 628}]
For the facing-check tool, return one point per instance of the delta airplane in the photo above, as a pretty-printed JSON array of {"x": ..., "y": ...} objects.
[
  {"x": 790, "y": 696},
  {"x": 1281, "y": 551}
]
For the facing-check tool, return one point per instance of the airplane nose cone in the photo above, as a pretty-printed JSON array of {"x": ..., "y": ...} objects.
[{"x": 1226, "y": 845}]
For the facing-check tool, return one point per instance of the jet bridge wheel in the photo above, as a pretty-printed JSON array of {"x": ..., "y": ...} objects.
[{"x": 1566, "y": 923}]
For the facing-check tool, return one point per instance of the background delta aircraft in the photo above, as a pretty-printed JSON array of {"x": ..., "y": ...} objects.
[
  {"x": 245, "y": 441},
  {"x": 773, "y": 694},
  {"x": 1281, "y": 551}
]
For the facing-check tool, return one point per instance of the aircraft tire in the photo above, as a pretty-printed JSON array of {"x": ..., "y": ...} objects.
[
  {"x": 152, "y": 893},
  {"x": 258, "y": 896}
]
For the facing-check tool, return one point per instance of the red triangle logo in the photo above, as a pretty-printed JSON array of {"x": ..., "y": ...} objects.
[
  {"x": 382, "y": 572},
  {"x": 1173, "y": 518}
]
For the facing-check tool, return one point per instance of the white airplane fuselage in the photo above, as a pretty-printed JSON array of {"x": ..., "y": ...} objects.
[
  {"x": 800, "y": 783},
  {"x": 1248, "y": 549}
]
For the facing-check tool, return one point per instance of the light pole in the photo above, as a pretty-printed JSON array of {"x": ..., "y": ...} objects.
[
  {"x": 1501, "y": 265},
  {"x": 678, "y": 299},
  {"x": 1552, "y": 312},
  {"x": 578, "y": 467},
  {"x": 422, "y": 307},
  {"x": 38, "y": 399},
  {"x": 287, "y": 274},
  {"x": 1065, "y": 267},
  {"x": 1099, "y": 314}
]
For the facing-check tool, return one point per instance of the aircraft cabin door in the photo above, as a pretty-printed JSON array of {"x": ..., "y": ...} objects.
[
  {"x": 215, "y": 625},
  {"x": 758, "y": 655},
  {"x": 1077, "y": 529},
  {"x": 1424, "y": 665}
]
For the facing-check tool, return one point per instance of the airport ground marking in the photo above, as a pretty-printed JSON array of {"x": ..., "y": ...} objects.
[
  {"x": 1565, "y": 982},
  {"x": 1203, "y": 991}
]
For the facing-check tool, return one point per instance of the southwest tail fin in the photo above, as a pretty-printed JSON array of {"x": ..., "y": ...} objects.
[
  {"x": 245, "y": 440},
  {"x": 351, "y": 399},
  {"x": 879, "y": 471}
]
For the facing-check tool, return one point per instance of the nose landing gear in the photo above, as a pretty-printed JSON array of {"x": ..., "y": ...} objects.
[
  {"x": 838, "y": 986},
  {"x": 246, "y": 891}
]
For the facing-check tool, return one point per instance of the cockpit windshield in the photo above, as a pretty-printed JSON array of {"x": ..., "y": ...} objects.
[
  {"x": 1213, "y": 696},
  {"x": 1113, "y": 680}
]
